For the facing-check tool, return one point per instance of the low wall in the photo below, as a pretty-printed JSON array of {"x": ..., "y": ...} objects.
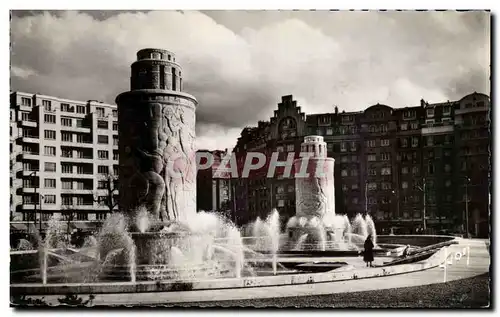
[{"x": 413, "y": 240}]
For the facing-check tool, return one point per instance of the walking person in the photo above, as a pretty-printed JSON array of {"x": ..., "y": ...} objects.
[{"x": 368, "y": 252}]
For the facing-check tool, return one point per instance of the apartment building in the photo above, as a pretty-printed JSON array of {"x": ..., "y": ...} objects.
[
  {"x": 64, "y": 158},
  {"x": 411, "y": 167}
]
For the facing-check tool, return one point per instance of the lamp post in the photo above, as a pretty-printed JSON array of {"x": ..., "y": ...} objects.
[
  {"x": 467, "y": 180},
  {"x": 366, "y": 196},
  {"x": 425, "y": 202}
]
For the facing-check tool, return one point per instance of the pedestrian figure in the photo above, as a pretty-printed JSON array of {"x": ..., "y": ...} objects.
[{"x": 368, "y": 252}]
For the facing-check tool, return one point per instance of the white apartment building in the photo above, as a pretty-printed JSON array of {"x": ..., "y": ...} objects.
[{"x": 62, "y": 154}]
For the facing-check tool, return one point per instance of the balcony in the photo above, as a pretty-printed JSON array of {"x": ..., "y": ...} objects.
[
  {"x": 437, "y": 130},
  {"x": 30, "y": 156},
  {"x": 77, "y": 144},
  {"x": 471, "y": 110},
  {"x": 29, "y": 139},
  {"x": 30, "y": 190},
  {"x": 29, "y": 123},
  {"x": 29, "y": 173},
  {"x": 77, "y": 159},
  {"x": 78, "y": 191},
  {"x": 78, "y": 176},
  {"x": 75, "y": 129}
]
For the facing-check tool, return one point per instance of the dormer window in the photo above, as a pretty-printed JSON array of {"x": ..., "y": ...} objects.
[{"x": 430, "y": 112}]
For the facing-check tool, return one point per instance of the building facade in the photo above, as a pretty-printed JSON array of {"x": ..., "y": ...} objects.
[
  {"x": 214, "y": 186},
  {"x": 411, "y": 168},
  {"x": 63, "y": 156}
]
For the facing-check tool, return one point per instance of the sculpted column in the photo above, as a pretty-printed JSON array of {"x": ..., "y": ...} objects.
[{"x": 157, "y": 141}]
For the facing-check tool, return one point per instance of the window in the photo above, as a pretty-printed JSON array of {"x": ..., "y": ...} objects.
[
  {"x": 115, "y": 126},
  {"x": 67, "y": 108},
  {"x": 102, "y": 169},
  {"x": 430, "y": 112},
  {"x": 82, "y": 138},
  {"x": 26, "y": 102},
  {"x": 47, "y": 105},
  {"x": 371, "y": 143},
  {"x": 354, "y": 158},
  {"x": 404, "y": 170},
  {"x": 102, "y": 155},
  {"x": 115, "y": 156},
  {"x": 115, "y": 140},
  {"x": 404, "y": 142},
  {"x": 414, "y": 170},
  {"x": 50, "y": 167},
  {"x": 430, "y": 141},
  {"x": 290, "y": 148},
  {"x": 372, "y": 172},
  {"x": 343, "y": 147},
  {"x": 116, "y": 173},
  {"x": 430, "y": 168},
  {"x": 66, "y": 168},
  {"x": 329, "y": 147},
  {"x": 372, "y": 186},
  {"x": 372, "y": 201},
  {"x": 67, "y": 122},
  {"x": 80, "y": 109},
  {"x": 115, "y": 113},
  {"x": 50, "y": 134},
  {"x": 343, "y": 173},
  {"x": 25, "y": 116},
  {"x": 344, "y": 187},
  {"x": 49, "y": 151},
  {"x": 404, "y": 126},
  {"x": 329, "y": 131},
  {"x": 49, "y": 183},
  {"x": 447, "y": 183},
  {"x": 102, "y": 139},
  {"x": 404, "y": 185},
  {"x": 344, "y": 159},
  {"x": 280, "y": 149},
  {"x": 281, "y": 203},
  {"x": 383, "y": 128},
  {"x": 355, "y": 200},
  {"x": 49, "y": 118},
  {"x": 384, "y": 142},
  {"x": 386, "y": 185},
  {"x": 354, "y": 186},
  {"x": 66, "y": 137},
  {"x": 414, "y": 142},
  {"x": 102, "y": 184},
  {"x": 373, "y": 129},
  {"x": 354, "y": 172},
  {"x": 446, "y": 110},
  {"x": 66, "y": 184},
  {"x": 102, "y": 124},
  {"x": 99, "y": 111},
  {"x": 49, "y": 199},
  {"x": 414, "y": 125},
  {"x": 386, "y": 156},
  {"x": 447, "y": 168},
  {"x": 385, "y": 171},
  {"x": 80, "y": 123},
  {"x": 372, "y": 157}
]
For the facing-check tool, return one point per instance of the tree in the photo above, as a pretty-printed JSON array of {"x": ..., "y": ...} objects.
[{"x": 109, "y": 184}]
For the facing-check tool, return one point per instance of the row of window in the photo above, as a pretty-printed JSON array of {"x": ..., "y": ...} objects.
[{"x": 67, "y": 168}]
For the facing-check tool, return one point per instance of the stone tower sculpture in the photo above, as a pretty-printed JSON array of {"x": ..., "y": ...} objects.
[
  {"x": 315, "y": 192},
  {"x": 157, "y": 140}
]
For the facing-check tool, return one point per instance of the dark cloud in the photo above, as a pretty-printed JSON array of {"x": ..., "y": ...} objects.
[{"x": 238, "y": 64}]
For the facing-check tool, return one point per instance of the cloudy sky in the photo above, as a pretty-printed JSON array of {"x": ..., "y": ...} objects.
[{"x": 238, "y": 64}]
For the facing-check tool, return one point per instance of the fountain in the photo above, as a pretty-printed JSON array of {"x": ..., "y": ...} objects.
[{"x": 159, "y": 239}]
